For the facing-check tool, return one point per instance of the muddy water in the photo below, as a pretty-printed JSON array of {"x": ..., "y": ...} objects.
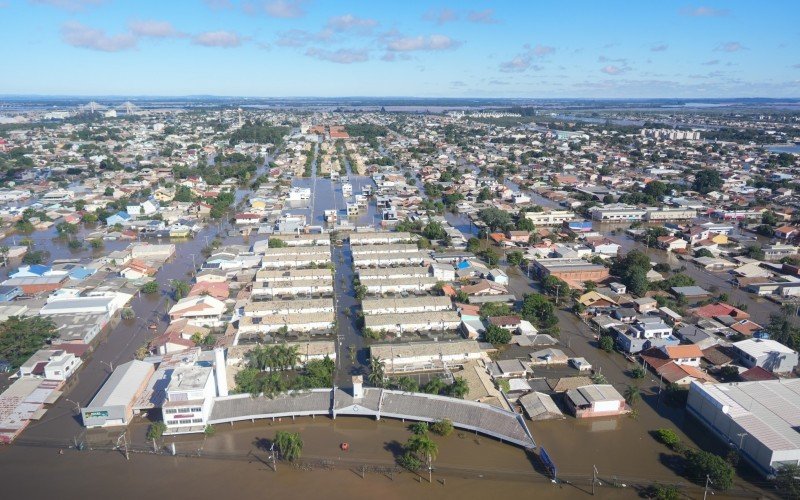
[{"x": 232, "y": 461}]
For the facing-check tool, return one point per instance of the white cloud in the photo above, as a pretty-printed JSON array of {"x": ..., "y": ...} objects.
[
  {"x": 704, "y": 12},
  {"x": 482, "y": 17},
  {"x": 430, "y": 42},
  {"x": 613, "y": 70},
  {"x": 349, "y": 22},
  {"x": 340, "y": 56},
  {"x": 730, "y": 47},
  {"x": 79, "y": 35},
  {"x": 70, "y": 5},
  {"x": 153, "y": 29},
  {"x": 300, "y": 38},
  {"x": 661, "y": 47},
  {"x": 441, "y": 16},
  {"x": 223, "y": 39},
  {"x": 284, "y": 9},
  {"x": 712, "y": 62},
  {"x": 524, "y": 61}
]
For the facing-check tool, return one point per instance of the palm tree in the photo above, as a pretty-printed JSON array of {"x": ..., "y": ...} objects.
[
  {"x": 459, "y": 389},
  {"x": 632, "y": 395},
  {"x": 376, "y": 372},
  {"x": 290, "y": 445},
  {"x": 421, "y": 444}
]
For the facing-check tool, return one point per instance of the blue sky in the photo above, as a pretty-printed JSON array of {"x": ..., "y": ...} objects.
[{"x": 519, "y": 48}]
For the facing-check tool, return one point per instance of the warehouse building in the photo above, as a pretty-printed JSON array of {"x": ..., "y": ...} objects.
[
  {"x": 406, "y": 305},
  {"x": 413, "y": 322},
  {"x": 760, "y": 417},
  {"x": 114, "y": 403},
  {"x": 570, "y": 270}
]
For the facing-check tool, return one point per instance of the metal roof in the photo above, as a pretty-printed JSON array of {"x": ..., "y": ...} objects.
[{"x": 122, "y": 386}]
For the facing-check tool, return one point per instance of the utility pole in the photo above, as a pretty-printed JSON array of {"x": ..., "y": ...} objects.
[
  {"x": 708, "y": 482},
  {"x": 272, "y": 456},
  {"x": 594, "y": 477}
]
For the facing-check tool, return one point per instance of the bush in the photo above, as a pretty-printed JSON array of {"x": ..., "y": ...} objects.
[
  {"x": 442, "y": 427},
  {"x": 150, "y": 287},
  {"x": 127, "y": 313},
  {"x": 662, "y": 492},
  {"x": 156, "y": 430},
  {"x": 669, "y": 438},
  {"x": 209, "y": 430},
  {"x": 606, "y": 343},
  {"x": 409, "y": 461},
  {"x": 700, "y": 464},
  {"x": 638, "y": 372},
  {"x": 418, "y": 428}
]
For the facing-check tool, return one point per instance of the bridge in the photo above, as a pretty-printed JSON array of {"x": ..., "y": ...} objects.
[{"x": 477, "y": 417}]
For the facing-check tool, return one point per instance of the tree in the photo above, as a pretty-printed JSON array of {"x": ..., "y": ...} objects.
[
  {"x": 33, "y": 257},
  {"x": 632, "y": 395},
  {"x": 473, "y": 245},
  {"x": 180, "y": 289},
  {"x": 494, "y": 218},
  {"x": 606, "y": 343},
  {"x": 423, "y": 446},
  {"x": 637, "y": 282},
  {"x": 703, "y": 252},
  {"x": 20, "y": 337},
  {"x": 701, "y": 464},
  {"x": 514, "y": 258},
  {"x": 407, "y": 384},
  {"x": 96, "y": 243},
  {"x": 490, "y": 309},
  {"x": 787, "y": 481},
  {"x": 638, "y": 372},
  {"x": 434, "y": 231},
  {"x": 707, "y": 180},
  {"x": 150, "y": 287},
  {"x": 156, "y": 430},
  {"x": 127, "y": 313},
  {"x": 418, "y": 428},
  {"x": 754, "y": 252},
  {"x": 554, "y": 286},
  {"x": 434, "y": 386},
  {"x": 376, "y": 372},
  {"x": 496, "y": 335},
  {"x": 89, "y": 218},
  {"x": 442, "y": 427},
  {"x": 289, "y": 444},
  {"x": 656, "y": 189},
  {"x": 490, "y": 256},
  {"x": 537, "y": 309},
  {"x": 459, "y": 388},
  {"x": 669, "y": 438},
  {"x": 277, "y": 243}
]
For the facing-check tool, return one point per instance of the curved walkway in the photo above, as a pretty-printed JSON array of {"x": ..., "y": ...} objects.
[{"x": 468, "y": 415}]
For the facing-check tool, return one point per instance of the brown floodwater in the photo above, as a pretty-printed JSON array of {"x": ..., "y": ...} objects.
[{"x": 237, "y": 459}]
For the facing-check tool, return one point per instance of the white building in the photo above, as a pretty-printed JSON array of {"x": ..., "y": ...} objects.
[
  {"x": 617, "y": 212},
  {"x": 759, "y": 418},
  {"x": 51, "y": 364},
  {"x": 550, "y": 217},
  {"x": 190, "y": 397}
]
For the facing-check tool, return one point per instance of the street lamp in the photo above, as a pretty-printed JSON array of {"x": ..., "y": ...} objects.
[
  {"x": 109, "y": 364},
  {"x": 77, "y": 406}
]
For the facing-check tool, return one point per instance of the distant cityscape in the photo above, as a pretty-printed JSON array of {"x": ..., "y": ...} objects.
[{"x": 296, "y": 249}]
